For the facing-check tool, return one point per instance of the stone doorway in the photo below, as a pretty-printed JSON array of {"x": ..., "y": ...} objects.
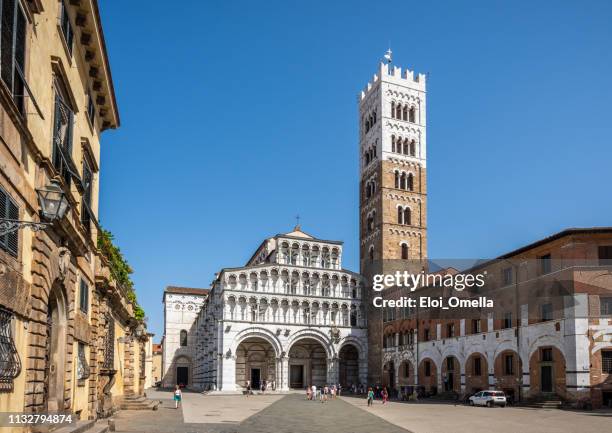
[{"x": 55, "y": 355}]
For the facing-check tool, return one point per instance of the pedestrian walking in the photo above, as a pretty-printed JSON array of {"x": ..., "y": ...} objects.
[
  {"x": 309, "y": 393},
  {"x": 370, "y": 396},
  {"x": 178, "y": 395},
  {"x": 385, "y": 395},
  {"x": 248, "y": 388},
  {"x": 314, "y": 392}
]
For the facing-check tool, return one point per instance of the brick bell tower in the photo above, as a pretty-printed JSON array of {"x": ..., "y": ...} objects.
[{"x": 392, "y": 187}]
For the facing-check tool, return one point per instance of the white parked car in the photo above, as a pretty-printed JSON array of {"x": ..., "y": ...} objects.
[{"x": 488, "y": 398}]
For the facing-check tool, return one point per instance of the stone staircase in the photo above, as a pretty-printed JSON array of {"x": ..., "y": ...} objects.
[
  {"x": 137, "y": 402},
  {"x": 544, "y": 402},
  {"x": 88, "y": 426}
]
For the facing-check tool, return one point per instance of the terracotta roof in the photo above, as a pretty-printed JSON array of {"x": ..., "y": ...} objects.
[
  {"x": 186, "y": 290},
  {"x": 157, "y": 348}
]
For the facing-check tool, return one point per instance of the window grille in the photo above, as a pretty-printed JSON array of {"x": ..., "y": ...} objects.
[
  {"x": 10, "y": 364},
  {"x": 606, "y": 362},
  {"x": 82, "y": 365},
  {"x": 9, "y": 242},
  {"x": 109, "y": 344}
]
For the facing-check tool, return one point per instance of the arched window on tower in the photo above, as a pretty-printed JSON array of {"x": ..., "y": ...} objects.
[
  {"x": 412, "y": 115},
  {"x": 405, "y": 146},
  {"x": 404, "y": 248},
  {"x": 412, "y": 148},
  {"x": 397, "y": 180},
  {"x": 400, "y": 215},
  {"x": 183, "y": 338},
  {"x": 403, "y": 181},
  {"x": 393, "y": 143},
  {"x": 405, "y": 113},
  {"x": 410, "y": 182},
  {"x": 398, "y": 112},
  {"x": 392, "y": 109},
  {"x": 407, "y": 217}
]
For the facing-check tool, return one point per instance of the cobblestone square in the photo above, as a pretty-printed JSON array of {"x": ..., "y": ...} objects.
[{"x": 291, "y": 413}]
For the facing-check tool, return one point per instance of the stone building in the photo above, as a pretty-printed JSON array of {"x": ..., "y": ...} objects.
[
  {"x": 61, "y": 313},
  {"x": 393, "y": 183},
  {"x": 181, "y": 308},
  {"x": 549, "y": 335},
  {"x": 290, "y": 317}
]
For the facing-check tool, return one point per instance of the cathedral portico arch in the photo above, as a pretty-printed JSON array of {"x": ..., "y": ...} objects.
[
  {"x": 315, "y": 335},
  {"x": 262, "y": 333}
]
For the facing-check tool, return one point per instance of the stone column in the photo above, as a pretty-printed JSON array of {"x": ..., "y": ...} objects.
[
  {"x": 332, "y": 371},
  {"x": 226, "y": 373},
  {"x": 462, "y": 375},
  {"x": 284, "y": 373}
]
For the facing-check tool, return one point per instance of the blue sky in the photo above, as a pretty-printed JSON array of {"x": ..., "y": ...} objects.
[{"x": 236, "y": 116}]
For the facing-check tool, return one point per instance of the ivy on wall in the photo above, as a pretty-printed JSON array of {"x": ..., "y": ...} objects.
[{"x": 121, "y": 271}]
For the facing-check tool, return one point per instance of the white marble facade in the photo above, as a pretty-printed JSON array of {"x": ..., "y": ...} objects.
[{"x": 291, "y": 317}]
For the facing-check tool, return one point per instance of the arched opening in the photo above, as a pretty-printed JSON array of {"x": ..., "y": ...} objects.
[
  {"x": 183, "y": 338},
  {"x": 55, "y": 356},
  {"x": 182, "y": 368},
  {"x": 410, "y": 182},
  {"x": 307, "y": 364},
  {"x": 451, "y": 374},
  {"x": 405, "y": 113},
  {"x": 476, "y": 373},
  {"x": 547, "y": 372},
  {"x": 428, "y": 377},
  {"x": 255, "y": 362},
  {"x": 404, "y": 251},
  {"x": 412, "y": 115},
  {"x": 406, "y": 374},
  {"x": 349, "y": 365},
  {"x": 508, "y": 370}
]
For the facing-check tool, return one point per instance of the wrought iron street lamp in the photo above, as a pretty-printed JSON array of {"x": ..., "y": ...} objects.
[{"x": 53, "y": 206}]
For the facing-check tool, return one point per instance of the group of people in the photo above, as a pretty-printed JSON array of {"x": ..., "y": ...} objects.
[
  {"x": 324, "y": 393},
  {"x": 382, "y": 393},
  {"x": 263, "y": 386}
]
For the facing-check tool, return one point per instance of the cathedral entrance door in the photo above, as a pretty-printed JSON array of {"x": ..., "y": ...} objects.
[
  {"x": 297, "y": 376},
  {"x": 182, "y": 376},
  {"x": 255, "y": 378}
]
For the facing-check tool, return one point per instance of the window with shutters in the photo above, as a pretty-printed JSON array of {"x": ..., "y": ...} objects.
[
  {"x": 84, "y": 297},
  {"x": 86, "y": 213},
  {"x": 82, "y": 365},
  {"x": 9, "y": 242},
  {"x": 91, "y": 109},
  {"x": 66, "y": 26},
  {"x": 10, "y": 364},
  {"x": 13, "y": 50},
  {"x": 63, "y": 120}
]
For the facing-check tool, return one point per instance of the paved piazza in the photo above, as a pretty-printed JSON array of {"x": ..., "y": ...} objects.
[{"x": 291, "y": 413}]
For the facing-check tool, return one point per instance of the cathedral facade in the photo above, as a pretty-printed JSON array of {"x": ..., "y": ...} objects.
[{"x": 289, "y": 318}]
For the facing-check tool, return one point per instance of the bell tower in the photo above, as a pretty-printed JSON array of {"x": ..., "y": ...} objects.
[{"x": 392, "y": 186}]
